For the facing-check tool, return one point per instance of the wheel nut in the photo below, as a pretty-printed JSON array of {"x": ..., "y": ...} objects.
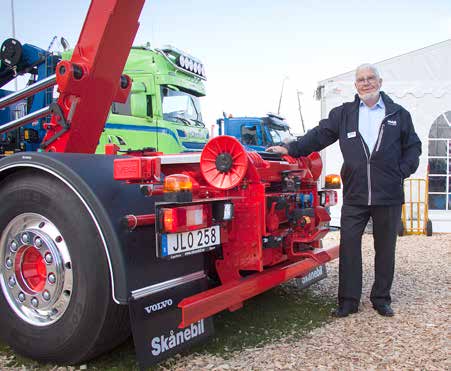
[
  {"x": 13, "y": 246},
  {"x": 12, "y": 281},
  {"x": 38, "y": 242},
  {"x": 9, "y": 263},
  {"x": 52, "y": 278},
  {"x": 34, "y": 302},
  {"x": 48, "y": 258},
  {"x": 21, "y": 297},
  {"x": 25, "y": 238},
  {"x": 46, "y": 295}
]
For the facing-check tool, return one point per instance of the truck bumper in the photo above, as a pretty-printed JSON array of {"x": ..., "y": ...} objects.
[{"x": 232, "y": 294}]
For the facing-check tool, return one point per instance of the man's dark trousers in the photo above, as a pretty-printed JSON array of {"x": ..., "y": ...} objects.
[{"x": 354, "y": 219}]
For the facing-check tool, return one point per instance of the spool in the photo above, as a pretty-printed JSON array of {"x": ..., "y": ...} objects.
[
  {"x": 11, "y": 52},
  {"x": 224, "y": 162}
]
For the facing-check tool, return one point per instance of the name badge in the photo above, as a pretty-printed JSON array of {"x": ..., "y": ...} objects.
[
  {"x": 391, "y": 122},
  {"x": 351, "y": 134}
]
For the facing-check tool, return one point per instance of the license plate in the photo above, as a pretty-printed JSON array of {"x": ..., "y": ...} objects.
[{"x": 174, "y": 245}]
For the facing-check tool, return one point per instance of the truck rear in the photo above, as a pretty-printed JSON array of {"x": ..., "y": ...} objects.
[
  {"x": 95, "y": 246},
  {"x": 172, "y": 241}
]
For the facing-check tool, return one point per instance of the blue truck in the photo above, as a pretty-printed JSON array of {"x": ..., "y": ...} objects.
[
  {"x": 16, "y": 60},
  {"x": 256, "y": 133}
]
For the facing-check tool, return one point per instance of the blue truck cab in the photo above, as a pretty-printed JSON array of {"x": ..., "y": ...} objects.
[{"x": 256, "y": 133}]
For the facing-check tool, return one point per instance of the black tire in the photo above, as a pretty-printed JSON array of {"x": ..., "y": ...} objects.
[
  {"x": 429, "y": 228},
  {"x": 92, "y": 322},
  {"x": 401, "y": 230}
]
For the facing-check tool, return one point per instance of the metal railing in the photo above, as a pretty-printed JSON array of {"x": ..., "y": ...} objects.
[
  {"x": 22, "y": 94},
  {"x": 415, "y": 210}
]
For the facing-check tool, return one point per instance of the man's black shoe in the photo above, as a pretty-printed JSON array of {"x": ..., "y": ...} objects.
[
  {"x": 344, "y": 311},
  {"x": 384, "y": 310}
]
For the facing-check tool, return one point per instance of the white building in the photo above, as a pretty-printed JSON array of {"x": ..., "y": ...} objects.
[{"x": 421, "y": 82}]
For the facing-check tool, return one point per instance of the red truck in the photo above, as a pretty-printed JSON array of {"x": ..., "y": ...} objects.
[{"x": 92, "y": 246}]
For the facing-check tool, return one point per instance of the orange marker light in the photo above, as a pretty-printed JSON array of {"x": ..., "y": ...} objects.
[
  {"x": 177, "y": 183},
  {"x": 333, "y": 181}
]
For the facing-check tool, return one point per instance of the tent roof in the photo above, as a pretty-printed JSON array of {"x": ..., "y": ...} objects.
[
  {"x": 423, "y": 71},
  {"x": 429, "y": 63}
]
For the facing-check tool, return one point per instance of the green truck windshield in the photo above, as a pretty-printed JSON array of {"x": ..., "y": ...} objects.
[{"x": 179, "y": 106}]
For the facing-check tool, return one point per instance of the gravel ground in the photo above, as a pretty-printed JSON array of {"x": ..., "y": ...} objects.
[{"x": 418, "y": 337}]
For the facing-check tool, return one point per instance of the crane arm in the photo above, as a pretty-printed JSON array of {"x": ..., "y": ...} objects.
[{"x": 91, "y": 80}]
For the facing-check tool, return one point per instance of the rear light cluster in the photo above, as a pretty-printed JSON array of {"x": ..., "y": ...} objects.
[
  {"x": 186, "y": 218},
  {"x": 192, "y": 217},
  {"x": 328, "y": 198}
]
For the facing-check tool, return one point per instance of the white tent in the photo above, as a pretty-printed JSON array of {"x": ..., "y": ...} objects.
[{"x": 421, "y": 82}]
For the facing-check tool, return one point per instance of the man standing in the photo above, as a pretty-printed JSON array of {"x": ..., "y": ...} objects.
[{"x": 380, "y": 149}]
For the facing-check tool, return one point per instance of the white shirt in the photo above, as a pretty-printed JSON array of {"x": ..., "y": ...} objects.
[{"x": 370, "y": 120}]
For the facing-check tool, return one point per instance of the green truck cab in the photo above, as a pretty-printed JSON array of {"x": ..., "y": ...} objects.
[{"x": 163, "y": 109}]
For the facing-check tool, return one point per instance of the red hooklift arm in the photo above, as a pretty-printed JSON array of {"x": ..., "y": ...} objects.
[
  {"x": 212, "y": 301},
  {"x": 90, "y": 81}
]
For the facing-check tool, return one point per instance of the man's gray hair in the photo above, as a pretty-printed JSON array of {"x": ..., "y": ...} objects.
[{"x": 370, "y": 66}]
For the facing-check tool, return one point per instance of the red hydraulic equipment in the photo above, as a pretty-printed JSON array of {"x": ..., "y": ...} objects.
[{"x": 277, "y": 221}]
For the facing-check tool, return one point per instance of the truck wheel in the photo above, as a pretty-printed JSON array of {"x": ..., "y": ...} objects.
[
  {"x": 55, "y": 299},
  {"x": 429, "y": 228}
]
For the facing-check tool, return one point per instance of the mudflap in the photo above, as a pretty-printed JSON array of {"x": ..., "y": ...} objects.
[
  {"x": 316, "y": 274},
  {"x": 154, "y": 320}
]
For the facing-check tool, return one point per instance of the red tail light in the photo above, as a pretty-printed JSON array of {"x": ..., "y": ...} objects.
[
  {"x": 186, "y": 218},
  {"x": 328, "y": 198}
]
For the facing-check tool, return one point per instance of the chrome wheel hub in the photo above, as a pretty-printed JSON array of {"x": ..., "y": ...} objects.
[{"x": 35, "y": 269}]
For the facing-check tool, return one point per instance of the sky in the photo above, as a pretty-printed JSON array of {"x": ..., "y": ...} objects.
[{"x": 251, "y": 48}]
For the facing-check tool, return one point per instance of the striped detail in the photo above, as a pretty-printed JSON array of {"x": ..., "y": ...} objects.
[{"x": 151, "y": 129}]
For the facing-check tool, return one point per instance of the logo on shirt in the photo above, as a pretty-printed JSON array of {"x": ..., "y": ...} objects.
[
  {"x": 391, "y": 122},
  {"x": 351, "y": 134}
]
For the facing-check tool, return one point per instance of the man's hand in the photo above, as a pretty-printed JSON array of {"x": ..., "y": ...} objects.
[{"x": 278, "y": 149}]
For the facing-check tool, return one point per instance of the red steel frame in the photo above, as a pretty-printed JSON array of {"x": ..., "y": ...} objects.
[{"x": 90, "y": 81}]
